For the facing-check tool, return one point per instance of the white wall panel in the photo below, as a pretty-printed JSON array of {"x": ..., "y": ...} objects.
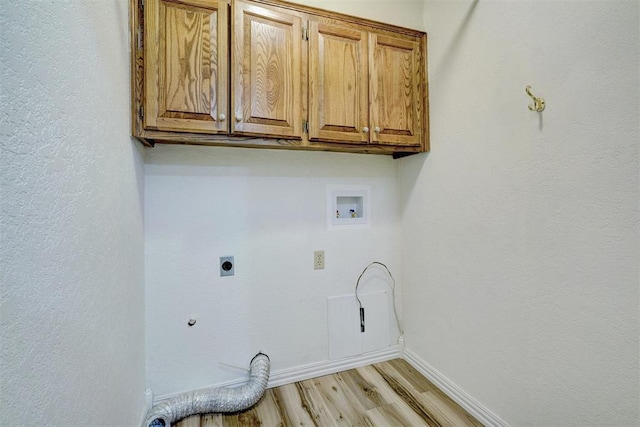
[{"x": 520, "y": 230}]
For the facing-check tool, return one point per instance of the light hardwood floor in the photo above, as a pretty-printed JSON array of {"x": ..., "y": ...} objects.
[{"x": 384, "y": 394}]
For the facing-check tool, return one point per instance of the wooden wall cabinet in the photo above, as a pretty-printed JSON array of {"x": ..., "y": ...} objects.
[
  {"x": 364, "y": 86},
  {"x": 267, "y": 91},
  {"x": 186, "y": 66},
  {"x": 267, "y": 73},
  {"x": 338, "y": 83}
]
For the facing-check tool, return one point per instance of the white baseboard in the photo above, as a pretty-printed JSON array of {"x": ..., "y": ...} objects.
[
  {"x": 312, "y": 370},
  {"x": 458, "y": 395}
]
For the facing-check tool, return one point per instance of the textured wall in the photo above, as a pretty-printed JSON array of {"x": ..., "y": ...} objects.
[
  {"x": 72, "y": 262},
  {"x": 520, "y": 230}
]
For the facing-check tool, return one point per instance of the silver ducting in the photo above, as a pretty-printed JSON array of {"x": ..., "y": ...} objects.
[{"x": 216, "y": 399}]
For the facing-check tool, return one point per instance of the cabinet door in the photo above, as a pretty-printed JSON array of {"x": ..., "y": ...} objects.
[
  {"x": 395, "y": 90},
  {"x": 338, "y": 89},
  {"x": 265, "y": 71},
  {"x": 186, "y": 65}
]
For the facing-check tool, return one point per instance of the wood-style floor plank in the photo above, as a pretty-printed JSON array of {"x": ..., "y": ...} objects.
[
  {"x": 428, "y": 397},
  {"x": 394, "y": 415},
  {"x": 297, "y": 410},
  {"x": 341, "y": 401},
  {"x": 191, "y": 422},
  {"x": 443, "y": 413},
  {"x": 364, "y": 391},
  {"x": 391, "y": 395},
  {"x": 385, "y": 394}
]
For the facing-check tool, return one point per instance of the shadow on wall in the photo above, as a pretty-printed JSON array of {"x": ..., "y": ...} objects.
[
  {"x": 409, "y": 170},
  {"x": 229, "y": 161},
  {"x": 137, "y": 156},
  {"x": 445, "y": 63},
  {"x": 411, "y": 167}
]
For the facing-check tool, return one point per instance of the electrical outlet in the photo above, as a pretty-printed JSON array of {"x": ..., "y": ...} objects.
[
  {"x": 318, "y": 260},
  {"x": 227, "y": 268}
]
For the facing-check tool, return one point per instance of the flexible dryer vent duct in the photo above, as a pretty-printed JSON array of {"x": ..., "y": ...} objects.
[{"x": 217, "y": 399}]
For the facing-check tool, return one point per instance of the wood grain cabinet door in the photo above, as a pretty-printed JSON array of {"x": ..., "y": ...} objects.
[
  {"x": 338, "y": 89},
  {"x": 186, "y": 66},
  {"x": 396, "y": 95},
  {"x": 265, "y": 71}
]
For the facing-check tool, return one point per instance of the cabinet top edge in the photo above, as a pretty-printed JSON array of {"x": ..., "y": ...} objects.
[{"x": 341, "y": 16}]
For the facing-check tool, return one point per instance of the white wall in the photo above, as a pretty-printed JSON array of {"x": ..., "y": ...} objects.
[
  {"x": 268, "y": 209},
  {"x": 405, "y": 13},
  {"x": 520, "y": 230},
  {"x": 72, "y": 261}
]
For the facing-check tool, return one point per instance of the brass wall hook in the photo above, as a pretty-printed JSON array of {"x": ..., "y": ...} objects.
[{"x": 538, "y": 103}]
